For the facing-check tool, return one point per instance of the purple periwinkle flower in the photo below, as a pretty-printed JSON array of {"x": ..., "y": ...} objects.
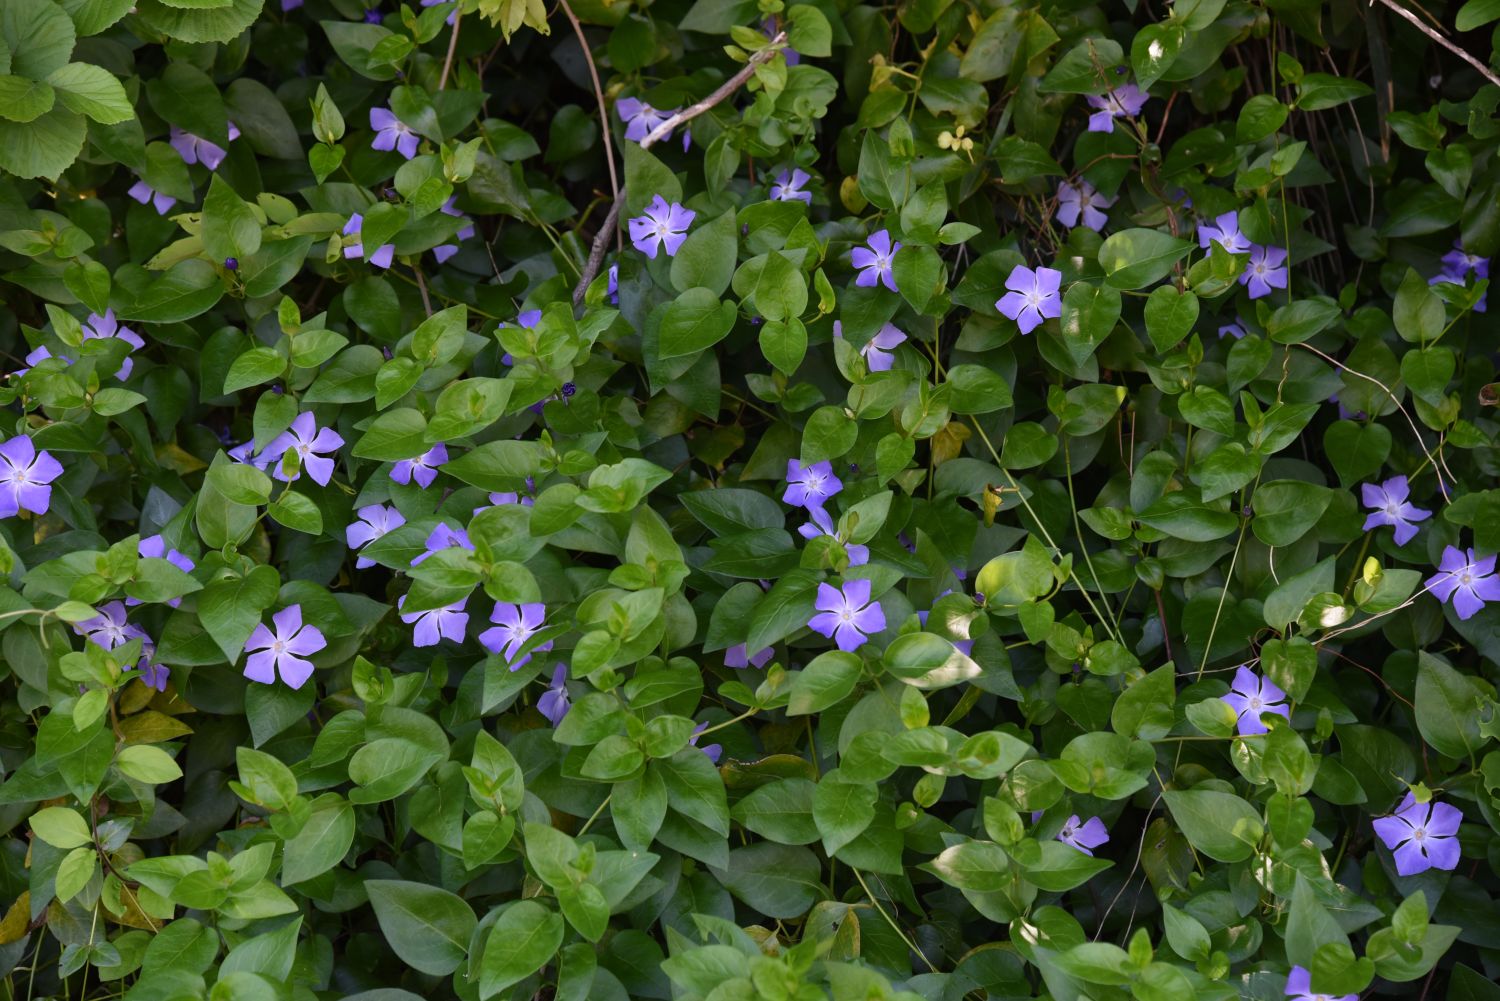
[
  {"x": 285, "y": 651},
  {"x": 109, "y": 629},
  {"x": 143, "y": 193},
  {"x": 38, "y": 354},
  {"x": 423, "y": 468},
  {"x": 874, "y": 260},
  {"x": 154, "y": 675},
  {"x": 444, "y": 537},
  {"x": 1458, "y": 264},
  {"x": 1388, "y": 503},
  {"x": 1033, "y": 297},
  {"x": 1225, "y": 231},
  {"x": 1125, "y": 101},
  {"x": 311, "y": 443},
  {"x": 98, "y": 327},
  {"x": 373, "y": 16},
  {"x": 822, "y": 524},
  {"x": 436, "y": 624},
  {"x": 447, "y": 250},
  {"x": 788, "y": 186},
  {"x": 663, "y": 225},
  {"x": 1083, "y": 835},
  {"x": 810, "y": 486},
  {"x": 383, "y": 254},
  {"x": 613, "y": 290},
  {"x": 154, "y": 547},
  {"x": 640, "y": 118},
  {"x": 1267, "y": 270},
  {"x": 374, "y": 521},
  {"x": 1466, "y": 579},
  {"x": 25, "y": 477},
  {"x": 1235, "y": 330},
  {"x": 516, "y": 624},
  {"x": 391, "y": 133},
  {"x": 1251, "y": 695},
  {"x": 1080, "y": 201},
  {"x": 712, "y": 750},
  {"x": 847, "y": 614},
  {"x": 878, "y": 351},
  {"x": 554, "y": 703},
  {"x": 502, "y": 498},
  {"x": 1299, "y": 988},
  {"x": 194, "y": 149},
  {"x": 245, "y": 454},
  {"x": 1421, "y": 836},
  {"x": 287, "y": 5},
  {"x": 735, "y": 656}
]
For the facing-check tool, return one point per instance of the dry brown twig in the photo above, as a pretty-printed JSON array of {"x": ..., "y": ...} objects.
[
  {"x": 1416, "y": 22},
  {"x": 609, "y": 144},
  {"x": 728, "y": 87}
]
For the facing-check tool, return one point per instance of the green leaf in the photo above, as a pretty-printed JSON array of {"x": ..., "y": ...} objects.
[
  {"x": 60, "y": 827},
  {"x": 1170, "y": 316},
  {"x": 1448, "y": 706},
  {"x": 38, "y": 34},
  {"x": 219, "y": 24},
  {"x": 706, "y": 258},
  {"x": 842, "y": 810},
  {"x": 1135, "y": 258},
  {"x": 779, "y": 881},
  {"x": 1221, "y": 825},
  {"x": 926, "y": 660},
  {"x": 826, "y": 681},
  {"x": 44, "y": 146},
  {"x": 92, "y": 91},
  {"x": 523, "y": 940},
  {"x": 1286, "y": 509},
  {"x": 230, "y": 226},
  {"x": 231, "y": 609},
  {"x": 426, "y": 926},
  {"x": 23, "y": 100},
  {"x": 694, "y": 321},
  {"x": 253, "y": 367}
]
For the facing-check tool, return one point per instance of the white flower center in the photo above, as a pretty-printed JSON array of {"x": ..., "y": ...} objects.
[
  {"x": 1255, "y": 702},
  {"x": 1466, "y": 578},
  {"x": 1419, "y": 834},
  {"x": 278, "y": 647},
  {"x": 1392, "y": 509}
]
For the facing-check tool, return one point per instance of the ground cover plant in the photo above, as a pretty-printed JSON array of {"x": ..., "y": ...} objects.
[{"x": 733, "y": 499}]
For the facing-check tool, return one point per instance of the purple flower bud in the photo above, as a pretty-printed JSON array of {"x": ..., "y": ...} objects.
[
  {"x": 373, "y": 17},
  {"x": 231, "y": 264}
]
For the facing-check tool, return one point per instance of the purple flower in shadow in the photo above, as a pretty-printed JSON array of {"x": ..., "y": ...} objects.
[
  {"x": 391, "y": 133},
  {"x": 1083, "y": 835},
  {"x": 1125, "y": 101},
  {"x": 735, "y": 656},
  {"x": 383, "y": 254},
  {"x": 554, "y": 703},
  {"x": 1421, "y": 836},
  {"x": 1081, "y": 201}
]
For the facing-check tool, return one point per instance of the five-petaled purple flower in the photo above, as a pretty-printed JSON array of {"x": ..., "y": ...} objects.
[
  {"x": 143, "y": 193},
  {"x": 554, "y": 703},
  {"x": 1082, "y": 201},
  {"x": 1033, "y": 297},
  {"x": 423, "y": 468},
  {"x": 1465, "y": 578},
  {"x": 391, "y": 133},
  {"x": 640, "y": 118},
  {"x": 788, "y": 186},
  {"x": 1225, "y": 231},
  {"x": 1125, "y": 101},
  {"x": 1251, "y": 695},
  {"x": 847, "y": 614},
  {"x": 1388, "y": 503},
  {"x": 1085, "y": 836},
  {"x": 285, "y": 651},
  {"x": 383, "y": 254},
  {"x": 194, "y": 149},
  {"x": 1299, "y": 988},
  {"x": 25, "y": 477},
  {"x": 1422, "y": 836},
  {"x": 663, "y": 225},
  {"x": 109, "y": 629},
  {"x": 878, "y": 351},
  {"x": 374, "y": 521},
  {"x": 444, "y": 537},
  {"x": 1457, "y": 266},
  {"x": 735, "y": 656},
  {"x": 98, "y": 327},
  {"x": 712, "y": 750},
  {"x": 516, "y": 625},
  {"x": 311, "y": 443},
  {"x": 154, "y": 547},
  {"x": 1267, "y": 270},
  {"x": 810, "y": 486},
  {"x": 873, "y": 261},
  {"x": 436, "y": 624},
  {"x": 822, "y": 524}
]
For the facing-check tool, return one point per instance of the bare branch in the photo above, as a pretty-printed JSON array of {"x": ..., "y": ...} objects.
[
  {"x": 609, "y": 143},
  {"x": 1484, "y": 70},
  {"x": 452, "y": 47}
]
